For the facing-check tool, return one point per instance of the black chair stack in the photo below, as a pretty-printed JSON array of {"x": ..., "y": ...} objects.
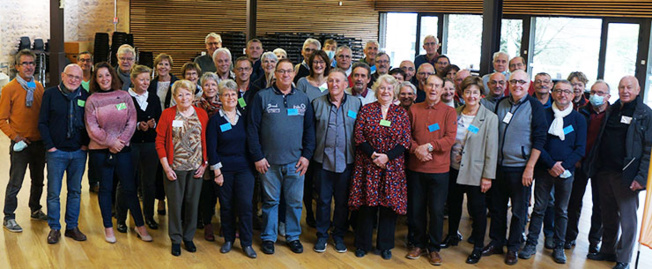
[{"x": 101, "y": 47}]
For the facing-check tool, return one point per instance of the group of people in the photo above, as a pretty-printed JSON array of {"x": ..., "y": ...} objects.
[{"x": 373, "y": 143}]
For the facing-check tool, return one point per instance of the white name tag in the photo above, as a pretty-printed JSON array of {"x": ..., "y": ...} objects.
[
  {"x": 508, "y": 117},
  {"x": 626, "y": 120},
  {"x": 177, "y": 123}
]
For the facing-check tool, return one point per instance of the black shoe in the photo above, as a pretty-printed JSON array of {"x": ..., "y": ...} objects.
[
  {"x": 200, "y": 225},
  {"x": 549, "y": 243},
  {"x": 121, "y": 227},
  {"x": 621, "y": 265},
  {"x": 491, "y": 250},
  {"x": 152, "y": 224},
  {"x": 470, "y": 240},
  {"x": 569, "y": 244},
  {"x": 295, "y": 246},
  {"x": 176, "y": 249},
  {"x": 226, "y": 247},
  {"x": 601, "y": 257},
  {"x": 475, "y": 256},
  {"x": 511, "y": 257},
  {"x": 558, "y": 255},
  {"x": 190, "y": 246},
  {"x": 267, "y": 247},
  {"x": 451, "y": 240},
  {"x": 250, "y": 252},
  {"x": 360, "y": 253},
  {"x": 528, "y": 251},
  {"x": 386, "y": 254},
  {"x": 593, "y": 248},
  {"x": 310, "y": 220}
]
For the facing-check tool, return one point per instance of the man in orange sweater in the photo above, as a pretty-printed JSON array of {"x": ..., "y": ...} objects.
[{"x": 20, "y": 104}]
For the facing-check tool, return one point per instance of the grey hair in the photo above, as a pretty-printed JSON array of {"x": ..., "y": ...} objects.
[
  {"x": 341, "y": 48},
  {"x": 605, "y": 83},
  {"x": 225, "y": 50},
  {"x": 389, "y": 79},
  {"x": 431, "y": 36},
  {"x": 216, "y": 36},
  {"x": 125, "y": 49},
  {"x": 269, "y": 55},
  {"x": 311, "y": 41},
  {"x": 226, "y": 85},
  {"x": 281, "y": 51},
  {"x": 497, "y": 54},
  {"x": 407, "y": 84},
  {"x": 209, "y": 76}
]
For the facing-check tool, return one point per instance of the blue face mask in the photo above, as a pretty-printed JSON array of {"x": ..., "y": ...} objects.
[
  {"x": 330, "y": 54},
  {"x": 596, "y": 100}
]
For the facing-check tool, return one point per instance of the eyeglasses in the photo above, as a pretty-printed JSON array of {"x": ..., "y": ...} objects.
[
  {"x": 430, "y": 44},
  {"x": 24, "y": 64},
  {"x": 494, "y": 82},
  {"x": 517, "y": 82},
  {"x": 73, "y": 77},
  {"x": 382, "y": 61},
  {"x": 309, "y": 50},
  {"x": 213, "y": 43},
  {"x": 318, "y": 62},
  {"x": 126, "y": 59},
  {"x": 285, "y": 71},
  {"x": 558, "y": 91}
]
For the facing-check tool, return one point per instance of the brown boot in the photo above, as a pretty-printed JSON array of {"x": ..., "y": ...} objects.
[{"x": 208, "y": 232}]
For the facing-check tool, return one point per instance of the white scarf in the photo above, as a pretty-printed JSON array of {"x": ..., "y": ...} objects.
[
  {"x": 557, "y": 126},
  {"x": 140, "y": 99}
]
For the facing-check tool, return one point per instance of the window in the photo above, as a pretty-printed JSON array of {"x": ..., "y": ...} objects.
[
  {"x": 622, "y": 46},
  {"x": 401, "y": 36},
  {"x": 564, "y": 45},
  {"x": 464, "y": 40},
  {"x": 428, "y": 27},
  {"x": 510, "y": 37}
]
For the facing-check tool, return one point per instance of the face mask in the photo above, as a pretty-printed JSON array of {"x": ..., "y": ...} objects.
[
  {"x": 596, "y": 100},
  {"x": 330, "y": 54}
]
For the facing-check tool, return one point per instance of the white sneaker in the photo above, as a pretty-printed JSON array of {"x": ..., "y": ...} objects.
[{"x": 12, "y": 226}]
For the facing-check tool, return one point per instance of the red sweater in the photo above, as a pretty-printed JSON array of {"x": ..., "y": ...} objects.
[
  {"x": 441, "y": 138},
  {"x": 164, "y": 146}
]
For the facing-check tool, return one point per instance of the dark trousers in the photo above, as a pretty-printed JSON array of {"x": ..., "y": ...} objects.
[
  {"x": 121, "y": 163},
  {"x": 544, "y": 184},
  {"x": 426, "y": 198},
  {"x": 93, "y": 176},
  {"x": 508, "y": 185},
  {"x": 549, "y": 216},
  {"x": 365, "y": 228},
  {"x": 34, "y": 157},
  {"x": 575, "y": 209},
  {"x": 236, "y": 194},
  {"x": 309, "y": 187},
  {"x": 182, "y": 193},
  {"x": 619, "y": 205},
  {"x": 476, "y": 205},
  {"x": 332, "y": 185},
  {"x": 145, "y": 162},
  {"x": 208, "y": 199}
]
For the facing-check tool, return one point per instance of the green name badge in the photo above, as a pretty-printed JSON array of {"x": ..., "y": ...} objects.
[
  {"x": 121, "y": 106},
  {"x": 385, "y": 123},
  {"x": 81, "y": 103},
  {"x": 242, "y": 102}
]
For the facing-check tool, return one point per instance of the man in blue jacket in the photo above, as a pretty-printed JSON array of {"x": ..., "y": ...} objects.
[
  {"x": 564, "y": 147},
  {"x": 281, "y": 139},
  {"x": 61, "y": 123}
]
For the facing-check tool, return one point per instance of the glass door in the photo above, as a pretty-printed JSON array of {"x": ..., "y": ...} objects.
[{"x": 621, "y": 54}]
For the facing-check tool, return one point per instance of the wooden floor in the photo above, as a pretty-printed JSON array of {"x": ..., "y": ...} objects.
[{"x": 29, "y": 249}]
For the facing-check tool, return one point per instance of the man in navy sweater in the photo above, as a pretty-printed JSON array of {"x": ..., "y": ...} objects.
[
  {"x": 281, "y": 140},
  {"x": 565, "y": 146},
  {"x": 61, "y": 124}
]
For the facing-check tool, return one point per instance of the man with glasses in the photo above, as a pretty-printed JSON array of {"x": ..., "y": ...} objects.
[
  {"x": 361, "y": 78},
  {"x": 594, "y": 114},
  {"x": 564, "y": 147},
  {"x": 382, "y": 67},
  {"x": 276, "y": 114},
  {"x": 497, "y": 86},
  {"x": 242, "y": 70},
  {"x": 522, "y": 129},
  {"x": 518, "y": 63},
  {"x": 431, "y": 45},
  {"x": 20, "y": 104},
  {"x": 309, "y": 46},
  {"x": 619, "y": 162},
  {"x": 410, "y": 71},
  {"x": 85, "y": 61},
  {"x": 213, "y": 42},
  {"x": 126, "y": 60},
  {"x": 441, "y": 62},
  {"x": 424, "y": 71},
  {"x": 61, "y": 123}
]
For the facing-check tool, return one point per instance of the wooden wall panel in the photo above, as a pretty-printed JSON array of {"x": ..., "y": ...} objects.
[{"x": 178, "y": 27}]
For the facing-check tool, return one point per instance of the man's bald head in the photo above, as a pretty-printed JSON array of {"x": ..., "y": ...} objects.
[
  {"x": 72, "y": 76},
  {"x": 628, "y": 89},
  {"x": 459, "y": 77}
]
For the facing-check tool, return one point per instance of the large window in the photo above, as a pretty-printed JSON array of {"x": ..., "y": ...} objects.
[
  {"x": 622, "y": 46},
  {"x": 464, "y": 40},
  {"x": 428, "y": 27},
  {"x": 401, "y": 36},
  {"x": 510, "y": 36},
  {"x": 564, "y": 45}
]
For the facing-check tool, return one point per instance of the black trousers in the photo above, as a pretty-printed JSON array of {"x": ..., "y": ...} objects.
[
  {"x": 235, "y": 195},
  {"x": 575, "y": 209},
  {"x": 208, "y": 199},
  {"x": 476, "y": 205},
  {"x": 365, "y": 227},
  {"x": 427, "y": 193},
  {"x": 332, "y": 186},
  {"x": 309, "y": 187},
  {"x": 619, "y": 205},
  {"x": 508, "y": 185}
]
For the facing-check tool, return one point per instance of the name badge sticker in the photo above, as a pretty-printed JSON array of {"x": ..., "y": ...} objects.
[
  {"x": 121, "y": 106},
  {"x": 31, "y": 84},
  {"x": 242, "y": 102},
  {"x": 473, "y": 129},
  {"x": 177, "y": 123},
  {"x": 508, "y": 117},
  {"x": 81, "y": 103},
  {"x": 385, "y": 123},
  {"x": 352, "y": 114},
  {"x": 626, "y": 120},
  {"x": 433, "y": 127},
  {"x": 568, "y": 129},
  {"x": 293, "y": 112},
  {"x": 225, "y": 127}
]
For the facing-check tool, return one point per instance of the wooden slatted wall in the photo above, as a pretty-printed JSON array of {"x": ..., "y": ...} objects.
[
  {"x": 178, "y": 27},
  {"x": 601, "y": 8}
]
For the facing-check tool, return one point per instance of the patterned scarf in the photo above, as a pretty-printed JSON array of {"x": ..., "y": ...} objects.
[
  {"x": 29, "y": 87},
  {"x": 210, "y": 106}
]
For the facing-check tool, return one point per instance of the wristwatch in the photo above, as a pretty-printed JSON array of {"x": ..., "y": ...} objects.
[{"x": 430, "y": 148}]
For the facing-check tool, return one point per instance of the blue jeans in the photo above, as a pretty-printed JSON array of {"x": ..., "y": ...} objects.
[
  {"x": 542, "y": 187},
  {"x": 286, "y": 178},
  {"x": 73, "y": 163},
  {"x": 106, "y": 164}
]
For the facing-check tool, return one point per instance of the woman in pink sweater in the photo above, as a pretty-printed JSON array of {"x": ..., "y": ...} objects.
[{"x": 110, "y": 122}]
